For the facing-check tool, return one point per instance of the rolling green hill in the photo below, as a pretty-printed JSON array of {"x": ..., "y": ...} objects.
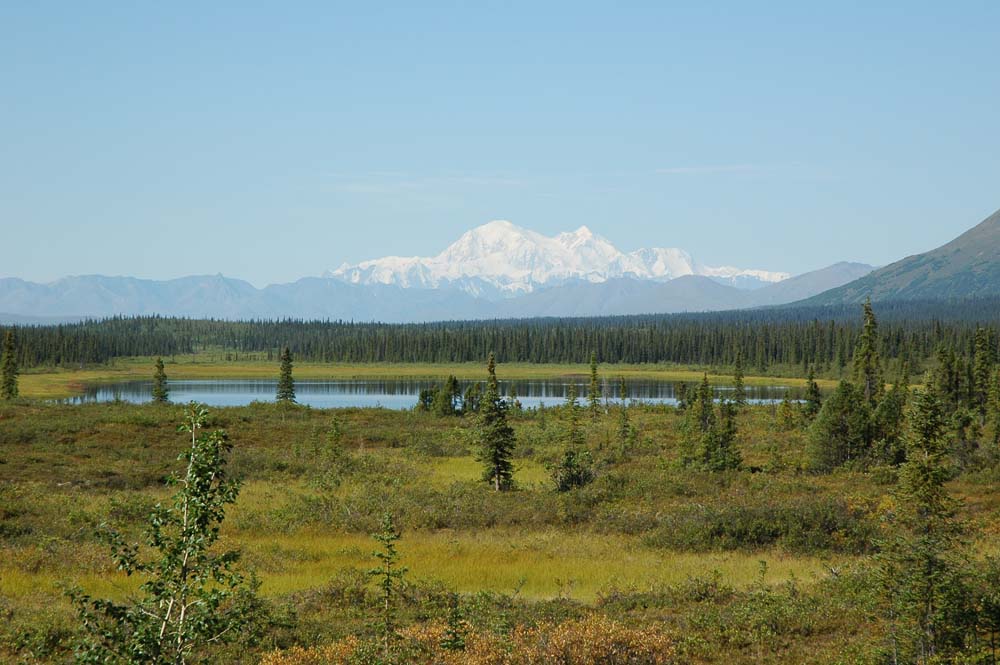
[{"x": 967, "y": 267}]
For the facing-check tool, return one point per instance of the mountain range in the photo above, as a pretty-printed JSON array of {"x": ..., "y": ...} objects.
[
  {"x": 500, "y": 259},
  {"x": 499, "y": 270}
]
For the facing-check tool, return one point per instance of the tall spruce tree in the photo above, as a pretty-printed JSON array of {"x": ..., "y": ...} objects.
[
  {"x": 624, "y": 426},
  {"x": 286, "y": 384},
  {"x": 922, "y": 573},
  {"x": 889, "y": 422},
  {"x": 594, "y": 392},
  {"x": 983, "y": 363},
  {"x": 867, "y": 363},
  {"x": 161, "y": 394},
  {"x": 496, "y": 436},
  {"x": 8, "y": 367},
  {"x": 739, "y": 389}
]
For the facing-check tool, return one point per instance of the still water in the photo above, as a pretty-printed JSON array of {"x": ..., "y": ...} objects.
[{"x": 388, "y": 393}]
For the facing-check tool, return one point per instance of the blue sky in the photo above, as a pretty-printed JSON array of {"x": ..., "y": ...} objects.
[{"x": 271, "y": 141}]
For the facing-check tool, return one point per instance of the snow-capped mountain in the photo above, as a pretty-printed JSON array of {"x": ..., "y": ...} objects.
[{"x": 502, "y": 259}]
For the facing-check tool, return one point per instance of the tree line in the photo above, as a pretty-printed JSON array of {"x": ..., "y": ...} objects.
[{"x": 821, "y": 338}]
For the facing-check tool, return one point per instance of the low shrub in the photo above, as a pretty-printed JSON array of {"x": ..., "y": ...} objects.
[
  {"x": 591, "y": 640},
  {"x": 822, "y": 524}
]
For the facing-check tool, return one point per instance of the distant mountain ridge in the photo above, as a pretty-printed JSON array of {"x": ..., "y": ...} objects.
[
  {"x": 966, "y": 267},
  {"x": 500, "y": 259},
  {"x": 216, "y": 296}
]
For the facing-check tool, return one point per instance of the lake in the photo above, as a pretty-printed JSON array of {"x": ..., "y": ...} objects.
[{"x": 387, "y": 393}]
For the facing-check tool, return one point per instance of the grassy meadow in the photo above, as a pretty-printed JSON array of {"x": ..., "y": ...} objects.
[{"x": 768, "y": 564}]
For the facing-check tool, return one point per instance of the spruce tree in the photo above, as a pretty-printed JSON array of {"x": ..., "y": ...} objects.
[
  {"x": 788, "y": 417},
  {"x": 867, "y": 363},
  {"x": 624, "y": 426},
  {"x": 161, "y": 393},
  {"x": 8, "y": 367},
  {"x": 924, "y": 592},
  {"x": 983, "y": 363},
  {"x": 839, "y": 434},
  {"x": 286, "y": 384},
  {"x": 496, "y": 436},
  {"x": 739, "y": 389},
  {"x": 574, "y": 432},
  {"x": 594, "y": 392},
  {"x": 444, "y": 401},
  {"x": 889, "y": 421},
  {"x": 456, "y": 627},
  {"x": 709, "y": 444},
  {"x": 389, "y": 576},
  {"x": 814, "y": 399},
  {"x": 472, "y": 399}
]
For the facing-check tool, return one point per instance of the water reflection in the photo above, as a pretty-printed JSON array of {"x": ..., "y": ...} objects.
[{"x": 391, "y": 393}]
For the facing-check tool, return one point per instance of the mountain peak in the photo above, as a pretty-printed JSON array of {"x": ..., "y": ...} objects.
[{"x": 509, "y": 259}]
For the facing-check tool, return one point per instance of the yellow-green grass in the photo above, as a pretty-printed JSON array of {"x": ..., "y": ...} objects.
[
  {"x": 50, "y": 384},
  {"x": 447, "y": 470},
  {"x": 542, "y": 564}
]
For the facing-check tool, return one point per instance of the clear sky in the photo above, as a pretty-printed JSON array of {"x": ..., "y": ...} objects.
[{"x": 271, "y": 141}]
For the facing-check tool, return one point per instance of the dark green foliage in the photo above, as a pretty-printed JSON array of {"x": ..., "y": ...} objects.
[
  {"x": 575, "y": 469},
  {"x": 840, "y": 433},
  {"x": 709, "y": 441},
  {"x": 626, "y": 432},
  {"x": 888, "y": 424},
  {"x": 788, "y": 415},
  {"x": 457, "y": 628},
  {"x": 496, "y": 436},
  {"x": 739, "y": 389},
  {"x": 683, "y": 396},
  {"x": 389, "y": 575},
  {"x": 574, "y": 434},
  {"x": 594, "y": 391},
  {"x": 867, "y": 363},
  {"x": 425, "y": 399},
  {"x": 192, "y": 597},
  {"x": 984, "y": 355},
  {"x": 161, "y": 394},
  {"x": 286, "y": 384},
  {"x": 472, "y": 399},
  {"x": 813, "y": 399},
  {"x": 790, "y": 338},
  {"x": 8, "y": 367},
  {"x": 861, "y": 424},
  {"x": 807, "y": 526},
  {"x": 925, "y": 585},
  {"x": 443, "y": 401}
]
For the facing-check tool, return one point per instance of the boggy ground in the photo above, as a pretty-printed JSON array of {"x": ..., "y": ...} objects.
[{"x": 768, "y": 564}]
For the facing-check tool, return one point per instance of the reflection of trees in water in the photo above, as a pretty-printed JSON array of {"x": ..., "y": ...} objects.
[{"x": 530, "y": 391}]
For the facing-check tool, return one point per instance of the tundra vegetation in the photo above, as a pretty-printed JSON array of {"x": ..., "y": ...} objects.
[{"x": 855, "y": 526}]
